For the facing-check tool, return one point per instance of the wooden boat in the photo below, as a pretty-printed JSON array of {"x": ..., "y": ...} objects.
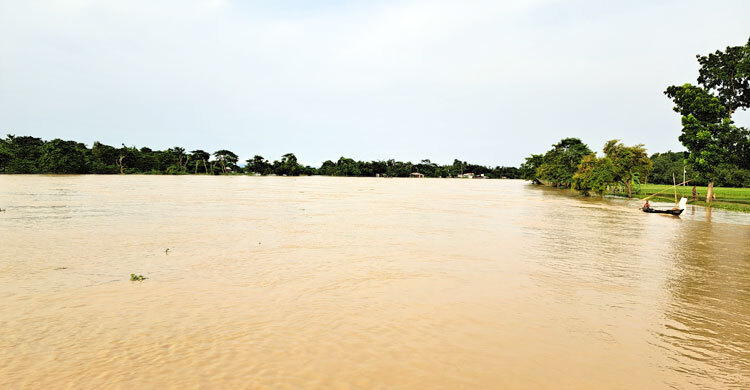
[
  {"x": 674, "y": 212},
  {"x": 678, "y": 207}
]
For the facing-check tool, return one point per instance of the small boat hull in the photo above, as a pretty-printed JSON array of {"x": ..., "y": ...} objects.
[{"x": 657, "y": 211}]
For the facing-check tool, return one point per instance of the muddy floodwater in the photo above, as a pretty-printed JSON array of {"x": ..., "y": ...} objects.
[{"x": 363, "y": 283}]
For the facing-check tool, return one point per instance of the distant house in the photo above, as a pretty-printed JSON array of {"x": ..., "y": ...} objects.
[
  {"x": 417, "y": 175},
  {"x": 466, "y": 175},
  {"x": 481, "y": 176}
]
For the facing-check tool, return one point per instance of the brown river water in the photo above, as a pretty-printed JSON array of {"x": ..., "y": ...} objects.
[{"x": 363, "y": 283}]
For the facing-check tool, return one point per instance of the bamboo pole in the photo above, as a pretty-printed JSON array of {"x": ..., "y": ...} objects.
[
  {"x": 675, "y": 189},
  {"x": 666, "y": 189}
]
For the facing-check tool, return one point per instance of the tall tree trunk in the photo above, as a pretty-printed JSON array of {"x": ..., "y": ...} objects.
[
  {"x": 630, "y": 190},
  {"x": 710, "y": 192}
]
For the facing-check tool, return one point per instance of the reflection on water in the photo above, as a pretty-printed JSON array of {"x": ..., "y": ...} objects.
[{"x": 363, "y": 283}]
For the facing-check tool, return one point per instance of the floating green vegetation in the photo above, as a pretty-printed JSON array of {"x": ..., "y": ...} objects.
[{"x": 137, "y": 278}]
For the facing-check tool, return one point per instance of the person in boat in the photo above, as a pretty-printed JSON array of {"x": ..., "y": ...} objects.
[{"x": 647, "y": 205}]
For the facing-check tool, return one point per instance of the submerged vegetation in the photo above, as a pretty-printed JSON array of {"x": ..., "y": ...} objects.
[{"x": 621, "y": 167}]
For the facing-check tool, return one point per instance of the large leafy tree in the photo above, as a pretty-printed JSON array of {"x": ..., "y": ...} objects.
[
  {"x": 128, "y": 159},
  {"x": 287, "y": 166},
  {"x": 399, "y": 169},
  {"x": 529, "y": 167},
  {"x": 174, "y": 160},
  {"x": 226, "y": 159},
  {"x": 458, "y": 167},
  {"x": 328, "y": 168},
  {"x": 667, "y": 164},
  {"x": 60, "y": 156},
  {"x": 505, "y": 173},
  {"x": 561, "y": 162},
  {"x": 631, "y": 163},
  {"x": 427, "y": 168},
  {"x": 379, "y": 167},
  {"x": 621, "y": 166},
  {"x": 148, "y": 160},
  {"x": 594, "y": 174},
  {"x": 727, "y": 74},
  {"x": 25, "y": 152},
  {"x": 200, "y": 158},
  {"x": 347, "y": 167},
  {"x": 104, "y": 158},
  {"x": 258, "y": 165},
  {"x": 708, "y": 132}
]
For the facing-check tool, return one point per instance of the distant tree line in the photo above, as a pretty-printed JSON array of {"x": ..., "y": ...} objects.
[
  {"x": 24, "y": 154},
  {"x": 392, "y": 168}
]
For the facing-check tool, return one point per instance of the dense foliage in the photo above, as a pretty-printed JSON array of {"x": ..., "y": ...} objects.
[
  {"x": 715, "y": 144},
  {"x": 392, "y": 168},
  {"x": 594, "y": 175},
  {"x": 34, "y": 155},
  {"x": 560, "y": 163},
  {"x": 631, "y": 164},
  {"x": 529, "y": 168},
  {"x": 621, "y": 167},
  {"x": 669, "y": 163}
]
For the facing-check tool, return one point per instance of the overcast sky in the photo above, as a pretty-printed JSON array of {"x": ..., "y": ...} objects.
[{"x": 484, "y": 81}]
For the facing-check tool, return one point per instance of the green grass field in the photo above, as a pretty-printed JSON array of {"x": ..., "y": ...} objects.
[{"x": 737, "y": 199}]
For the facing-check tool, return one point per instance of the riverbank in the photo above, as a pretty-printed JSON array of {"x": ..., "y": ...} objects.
[{"x": 734, "y": 199}]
